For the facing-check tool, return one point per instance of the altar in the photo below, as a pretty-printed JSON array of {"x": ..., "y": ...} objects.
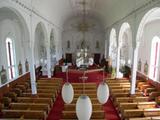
[{"x": 83, "y": 59}]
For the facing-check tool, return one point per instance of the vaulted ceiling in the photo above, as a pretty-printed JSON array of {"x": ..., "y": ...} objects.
[{"x": 107, "y": 10}]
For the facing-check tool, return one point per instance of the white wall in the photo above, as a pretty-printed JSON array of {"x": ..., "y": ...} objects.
[{"x": 151, "y": 30}]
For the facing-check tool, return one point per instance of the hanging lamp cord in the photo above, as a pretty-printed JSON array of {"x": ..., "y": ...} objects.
[
  {"x": 83, "y": 78},
  {"x": 67, "y": 75},
  {"x": 103, "y": 74}
]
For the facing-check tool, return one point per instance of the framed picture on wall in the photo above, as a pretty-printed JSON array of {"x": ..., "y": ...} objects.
[
  {"x": 3, "y": 75},
  {"x": 146, "y": 68},
  {"x": 97, "y": 45},
  {"x": 139, "y": 65},
  {"x": 27, "y": 66},
  {"x": 20, "y": 68}
]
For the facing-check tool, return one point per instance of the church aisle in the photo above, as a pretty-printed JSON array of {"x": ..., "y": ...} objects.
[
  {"x": 110, "y": 111},
  {"x": 56, "y": 112}
]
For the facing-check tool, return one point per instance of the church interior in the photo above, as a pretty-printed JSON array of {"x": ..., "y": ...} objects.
[{"x": 79, "y": 59}]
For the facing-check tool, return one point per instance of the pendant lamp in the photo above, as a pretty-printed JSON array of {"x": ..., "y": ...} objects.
[
  {"x": 67, "y": 91},
  {"x": 84, "y": 105},
  {"x": 103, "y": 91}
]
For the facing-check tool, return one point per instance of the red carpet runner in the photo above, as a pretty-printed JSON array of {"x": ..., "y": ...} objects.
[{"x": 96, "y": 77}]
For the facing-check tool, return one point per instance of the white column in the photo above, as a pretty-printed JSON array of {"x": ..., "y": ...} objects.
[
  {"x": 118, "y": 62},
  {"x": 48, "y": 60},
  {"x": 31, "y": 59},
  {"x": 32, "y": 71},
  {"x": 134, "y": 70},
  {"x": 105, "y": 52}
]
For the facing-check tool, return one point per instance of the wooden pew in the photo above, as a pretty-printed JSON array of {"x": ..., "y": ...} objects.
[
  {"x": 87, "y": 84},
  {"x": 130, "y": 113},
  {"x": 118, "y": 84},
  {"x": 131, "y": 99},
  {"x": 142, "y": 118},
  {"x": 93, "y": 100},
  {"x": 31, "y": 106},
  {"x": 151, "y": 112},
  {"x": 126, "y": 94},
  {"x": 26, "y": 114},
  {"x": 43, "y": 91},
  {"x": 146, "y": 118},
  {"x": 90, "y": 95},
  {"x": 120, "y": 87},
  {"x": 86, "y": 91},
  {"x": 136, "y": 105},
  {"x": 41, "y": 95},
  {"x": 72, "y": 107},
  {"x": 35, "y": 100},
  {"x": 86, "y": 87},
  {"x": 72, "y": 115}
]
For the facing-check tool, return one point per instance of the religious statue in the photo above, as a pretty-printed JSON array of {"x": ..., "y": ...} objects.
[
  {"x": 146, "y": 68},
  {"x": 27, "y": 66},
  {"x": 68, "y": 44},
  {"x": 3, "y": 75},
  {"x": 139, "y": 65},
  {"x": 82, "y": 44},
  {"x": 97, "y": 44},
  {"x": 20, "y": 68}
]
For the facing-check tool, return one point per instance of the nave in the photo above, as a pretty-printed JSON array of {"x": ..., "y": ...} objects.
[{"x": 19, "y": 103}]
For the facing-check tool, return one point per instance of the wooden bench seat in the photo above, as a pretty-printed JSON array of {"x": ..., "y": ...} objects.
[
  {"x": 43, "y": 91},
  {"x": 144, "y": 105},
  {"x": 129, "y": 113},
  {"x": 87, "y": 84},
  {"x": 41, "y": 95},
  {"x": 26, "y": 114},
  {"x": 93, "y": 100},
  {"x": 86, "y": 87},
  {"x": 120, "y": 87},
  {"x": 86, "y": 91},
  {"x": 119, "y": 100},
  {"x": 146, "y": 118},
  {"x": 136, "y": 105},
  {"x": 151, "y": 112},
  {"x": 52, "y": 80},
  {"x": 118, "y": 80},
  {"x": 72, "y": 107},
  {"x": 119, "y": 90},
  {"x": 55, "y": 85},
  {"x": 118, "y": 84},
  {"x": 35, "y": 100},
  {"x": 90, "y": 95},
  {"x": 126, "y": 94},
  {"x": 31, "y": 106},
  {"x": 72, "y": 115},
  {"x": 141, "y": 118},
  {"x": 47, "y": 87}
]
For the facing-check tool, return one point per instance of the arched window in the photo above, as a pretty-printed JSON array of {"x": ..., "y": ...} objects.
[
  {"x": 10, "y": 57},
  {"x": 154, "y": 58}
]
